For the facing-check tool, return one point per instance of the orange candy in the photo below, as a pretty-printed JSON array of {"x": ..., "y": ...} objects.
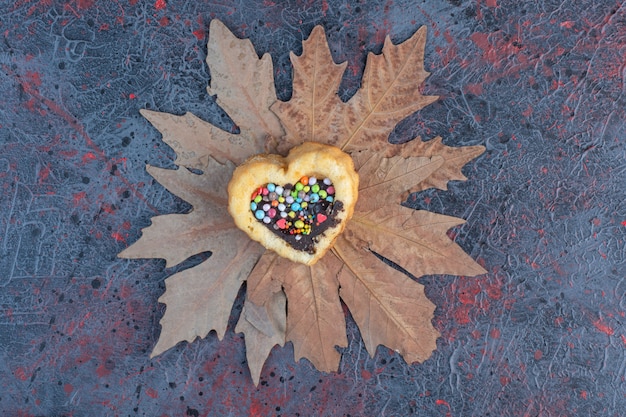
[{"x": 304, "y": 180}]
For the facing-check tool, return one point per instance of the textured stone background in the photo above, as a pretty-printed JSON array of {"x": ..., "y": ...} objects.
[{"x": 541, "y": 84}]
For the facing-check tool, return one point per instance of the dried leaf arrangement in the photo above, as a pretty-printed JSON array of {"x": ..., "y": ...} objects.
[{"x": 389, "y": 307}]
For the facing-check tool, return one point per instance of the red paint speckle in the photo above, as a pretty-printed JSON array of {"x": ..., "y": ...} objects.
[
  {"x": 461, "y": 314},
  {"x": 603, "y": 327},
  {"x": 583, "y": 395},
  {"x": 78, "y": 197},
  {"x": 102, "y": 371},
  {"x": 160, "y": 4},
  {"x": 132, "y": 96},
  {"x": 89, "y": 156},
  {"x": 199, "y": 34},
  {"x": 20, "y": 374},
  {"x": 118, "y": 237},
  {"x": 68, "y": 388},
  {"x": 476, "y": 89},
  {"x": 152, "y": 393},
  {"x": 44, "y": 174},
  {"x": 85, "y": 4},
  {"x": 34, "y": 78},
  {"x": 538, "y": 355},
  {"x": 494, "y": 333}
]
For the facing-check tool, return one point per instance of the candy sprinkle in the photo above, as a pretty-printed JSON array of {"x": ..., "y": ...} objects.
[{"x": 293, "y": 209}]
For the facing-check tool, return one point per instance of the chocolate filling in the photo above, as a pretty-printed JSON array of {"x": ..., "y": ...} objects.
[
  {"x": 300, "y": 213},
  {"x": 307, "y": 243}
]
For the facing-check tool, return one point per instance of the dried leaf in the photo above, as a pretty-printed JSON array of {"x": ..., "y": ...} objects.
[
  {"x": 206, "y": 228},
  {"x": 316, "y": 78},
  {"x": 244, "y": 84},
  {"x": 415, "y": 240},
  {"x": 390, "y": 308},
  {"x": 263, "y": 320},
  {"x": 383, "y": 181},
  {"x": 200, "y": 299},
  {"x": 390, "y": 92},
  {"x": 315, "y": 319},
  {"x": 194, "y": 140},
  {"x": 453, "y": 160}
]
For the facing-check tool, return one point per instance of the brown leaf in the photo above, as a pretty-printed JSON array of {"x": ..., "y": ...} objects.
[
  {"x": 454, "y": 158},
  {"x": 415, "y": 240},
  {"x": 200, "y": 299},
  {"x": 264, "y": 328},
  {"x": 176, "y": 237},
  {"x": 244, "y": 84},
  {"x": 384, "y": 181},
  {"x": 315, "y": 319},
  {"x": 390, "y": 92},
  {"x": 194, "y": 140},
  {"x": 390, "y": 308},
  {"x": 316, "y": 77},
  {"x": 263, "y": 320}
]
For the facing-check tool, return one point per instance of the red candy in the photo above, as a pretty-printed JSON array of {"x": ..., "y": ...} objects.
[
  {"x": 321, "y": 218},
  {"x": 281, "y": 223}
]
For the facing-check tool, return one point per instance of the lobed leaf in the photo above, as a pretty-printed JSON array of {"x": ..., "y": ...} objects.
[
  {"x": 415, "y": 240},
  {"x": 200, "y": 299},
  {"x": 385, "y": 181},
  {"x": 205, "y": 228},
  {"x": 244, "y": 84},
  {"x": 315, "y": 319},
  {"x": 390, "y": 308},
  {"x": 454, "y": 158},
  {"x": 314, "y": 102},
  {"x": 390, "y": 92}
]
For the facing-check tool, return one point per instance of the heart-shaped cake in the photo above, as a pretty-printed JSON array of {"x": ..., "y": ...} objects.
[{"x": 295, "y": 205}]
